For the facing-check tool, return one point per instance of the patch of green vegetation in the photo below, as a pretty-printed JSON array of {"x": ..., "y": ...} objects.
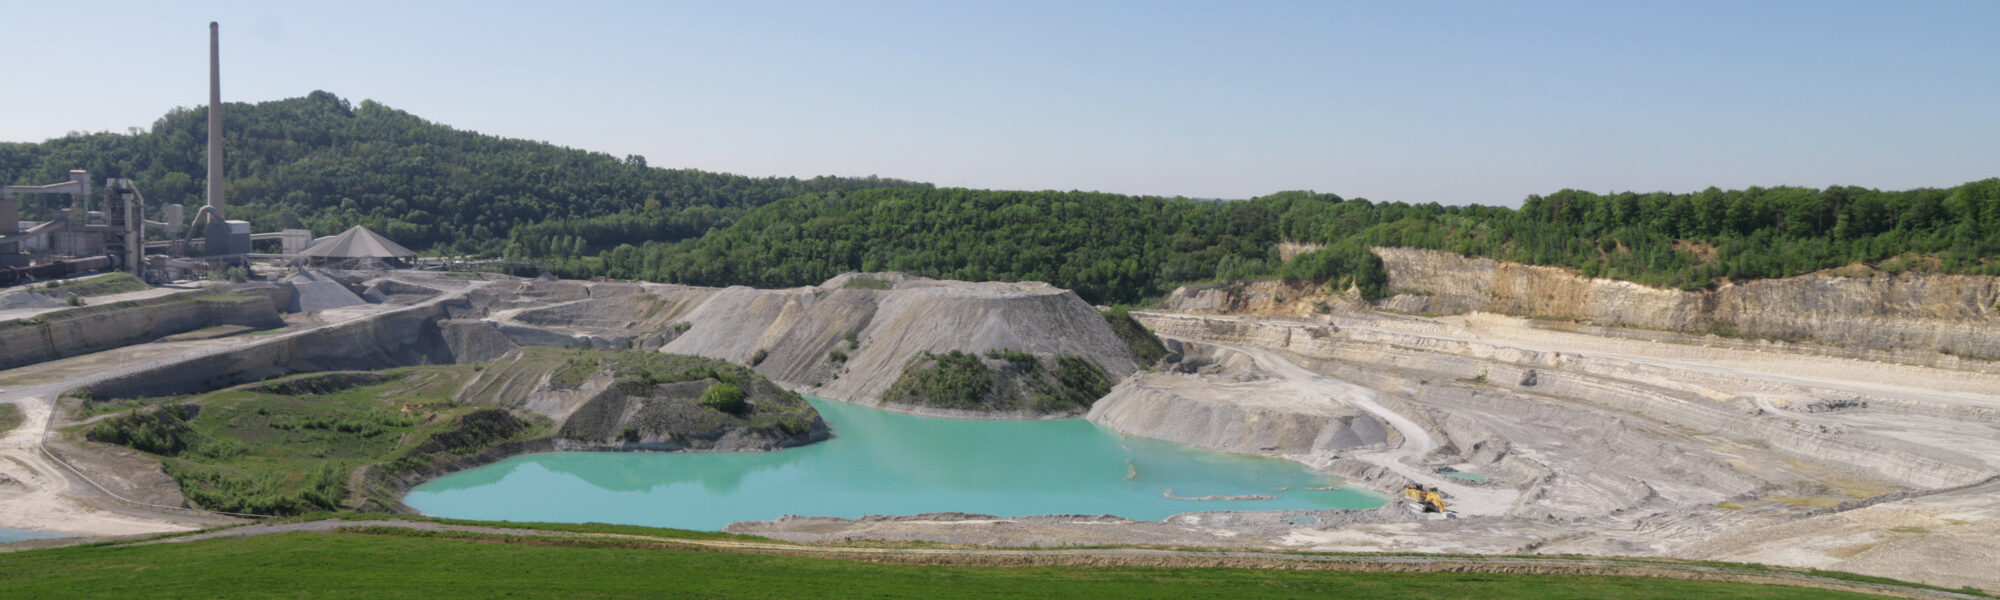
[
  {"x": 757, "y": 358},
  {"x": 573, "y": 372},
  {"x": 951, "y": 380},
  {"x": 724, "y": 397},
  {"x": 682, "y": 327},
  {"x": 162, "y": 430},
  {"x": 467, "y": 435},
  {"x": 10, "y": 417},
  {"x": 853, "y": 340},
  {"x": 1146, "y": 348},
  {"x": 288, "y": 446},
  {"x": 105, "y": 285},
  {"x": 1347, "y": 264},
  {"x": 837, "y": 356},
  {"x": 867, "y": 283},
  {"x": 1017, "y": 357},
  {"x": 1078, "y": 384},
  {"x": 383, "y": 562},
  {"x": 654, "y": 304},
  {"x": 960, "y": 381}
]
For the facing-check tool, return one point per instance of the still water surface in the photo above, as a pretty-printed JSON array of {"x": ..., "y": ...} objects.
[
  {"x": 884, "y": 463},
  {"x": 16, "y": 535}
]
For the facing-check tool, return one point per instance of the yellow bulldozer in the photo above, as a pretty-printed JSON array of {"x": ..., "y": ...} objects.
[{"x": 1425, "y": 498}]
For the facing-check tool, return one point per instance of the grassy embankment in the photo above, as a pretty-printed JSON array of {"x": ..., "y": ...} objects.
[
  {"x": 674, "y": 394},
  {"x": 102, "y": 285},
  {"x": 1146, "y": 348},
  {"x": 1010, "y": 380},
  {"x": 293, "y": 445},
  {"x": 386, "y": 562},
  {"x": 10, "y": 417},
  {"x": 288, "y": 446}
]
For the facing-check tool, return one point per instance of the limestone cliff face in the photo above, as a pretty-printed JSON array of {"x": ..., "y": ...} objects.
[
  {"x": 1267, "y": 297},
  {"x": 398, "y": 338},
  {"x": 1404, "y": 364},
  {"x": 1855, "y": 308},
  {"x": 101, "y": 327},
  {"x": 1446, "y": 283}
]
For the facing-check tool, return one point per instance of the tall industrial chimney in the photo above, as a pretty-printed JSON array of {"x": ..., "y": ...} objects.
[
  {"x": 215, "y": 200},
  {"x": 217, "y": 238}
]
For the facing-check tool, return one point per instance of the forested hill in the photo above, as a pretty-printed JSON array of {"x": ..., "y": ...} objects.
[
  {"x": 320, "y": 162},
  {"x": 324, "y": 163},
  {"x": 1112, "y": 248}
]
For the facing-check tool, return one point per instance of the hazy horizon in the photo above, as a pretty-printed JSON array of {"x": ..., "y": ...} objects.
[{"x": 1453, "y": 103}]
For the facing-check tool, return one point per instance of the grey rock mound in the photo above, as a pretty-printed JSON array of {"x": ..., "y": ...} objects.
[
  {"x": 314, "y": 291},
  {"x": 879, "y": 321}
]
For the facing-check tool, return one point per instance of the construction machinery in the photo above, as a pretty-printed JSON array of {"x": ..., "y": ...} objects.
[{"x": 1426, "y": 499}]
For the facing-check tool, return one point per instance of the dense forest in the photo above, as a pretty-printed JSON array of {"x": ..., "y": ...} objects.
[
  {"x": 1112, "y": 248},
  {"x": 319, "y": 162}
]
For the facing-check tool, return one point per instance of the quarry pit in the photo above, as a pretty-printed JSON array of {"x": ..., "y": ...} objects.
[{"x": 1850, "y": 421}]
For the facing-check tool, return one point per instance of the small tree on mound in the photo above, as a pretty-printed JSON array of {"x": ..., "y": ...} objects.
[{"x": 725, "y": 397}]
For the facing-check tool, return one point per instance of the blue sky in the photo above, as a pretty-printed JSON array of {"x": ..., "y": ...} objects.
[{"x": 1449, "y": 102}]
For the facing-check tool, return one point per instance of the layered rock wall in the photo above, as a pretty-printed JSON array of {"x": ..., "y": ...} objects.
[
  {"x": 1708, "y": 403},
  {"x": 398, "y": 338},
  {"x": 1854, "y": 308},
  {"x": 93, "y": 328}
]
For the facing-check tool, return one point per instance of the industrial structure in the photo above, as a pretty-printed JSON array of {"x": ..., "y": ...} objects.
[
  {"x": 356, "y": 247},
  {"x": 80, "y": 237},
  {"x": 76, "y": 238}
]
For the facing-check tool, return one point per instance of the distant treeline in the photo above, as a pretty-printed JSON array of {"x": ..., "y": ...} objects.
[
  {"x": 1112, "y": 248},
  {"x": 319, "y": 162}
]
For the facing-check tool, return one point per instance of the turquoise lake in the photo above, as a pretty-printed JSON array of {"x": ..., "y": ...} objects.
[
  {"x": 16, "y": 535},
  {"x": 884, "y": 463}
]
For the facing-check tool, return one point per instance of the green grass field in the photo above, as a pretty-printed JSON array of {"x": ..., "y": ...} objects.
[
  {"x": 415, "y": 565},
  {"x": 288, "y": 446}
]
